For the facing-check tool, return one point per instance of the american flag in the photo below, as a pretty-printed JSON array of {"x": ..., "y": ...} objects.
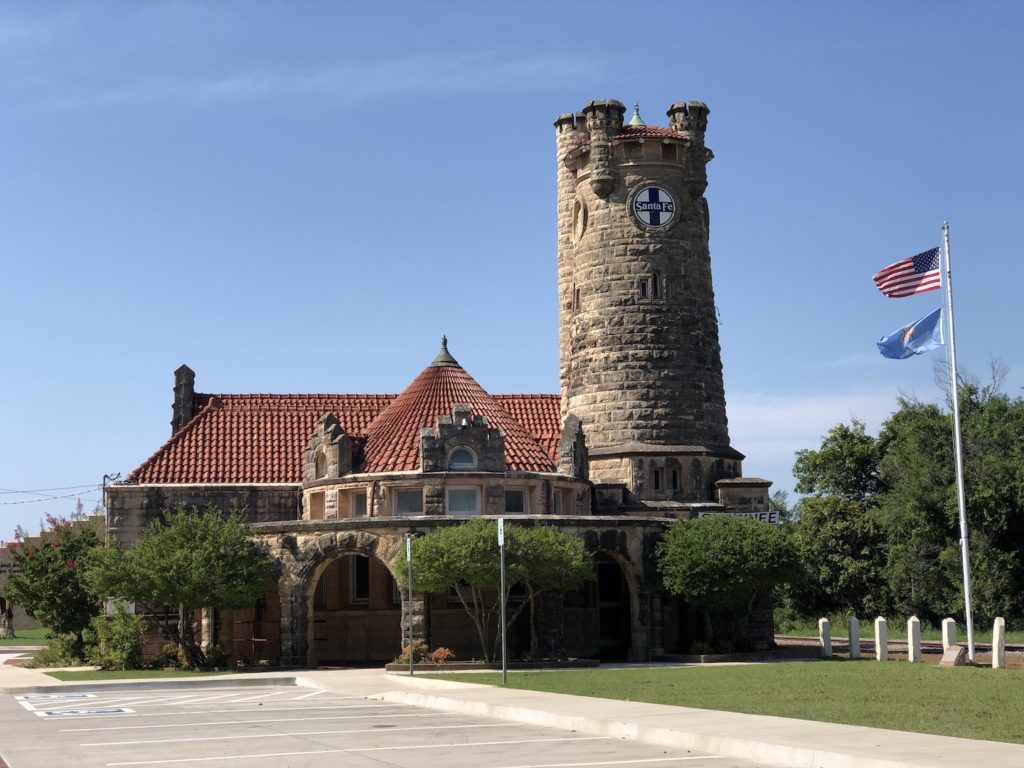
[{"x": 918, "y": 274}]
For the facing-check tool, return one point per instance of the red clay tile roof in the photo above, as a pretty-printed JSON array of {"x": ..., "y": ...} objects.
[
  {"x": 541, "y": 415},
  {"x": 252, "y": 438},
  {"x": 262, "y": 438},
  {"x": 393, "y": 439},
  {"x": 647, "y": 132}
]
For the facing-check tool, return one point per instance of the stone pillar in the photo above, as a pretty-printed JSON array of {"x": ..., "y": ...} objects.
[
  {"x": 294, "y": 624},
  {"x": 548, "y": 622},
  {"x": 420, "y": 618},
  {"x": 948, "y": 634},
  {"x": 825, "y": 637},
  {"x": 639, "y": 647},
  {"x": 999, "y": 643},
  {"x": 853, "y": 631},
  {"x": 913, "y": 639},
  {"x": 881, "y": 639},
  {"x": 206, "y": 629}
]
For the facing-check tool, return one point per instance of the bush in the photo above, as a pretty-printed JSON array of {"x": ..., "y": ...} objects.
[
  {"x": 60, "y": 651},
  {"x": 441, "y": 655},
  {"x": 168, "y": 658},
  {"x": 119, "y": 640},
  {"x": 420, "y": 654}
]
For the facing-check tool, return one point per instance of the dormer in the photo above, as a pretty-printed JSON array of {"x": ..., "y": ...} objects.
[
  {"x": 329, "y": 451},
  {"x": 462, "y": 442}
]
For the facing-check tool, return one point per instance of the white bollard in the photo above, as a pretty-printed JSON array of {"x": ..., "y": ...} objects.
[
  {"x": 853, "y": 632},
  {"x": 999, "y": 643},
  {"x": 881, "y": 640},
  {"x": 948, "y": 634},
  {"x": 913, "y": 639},
  {"x": 825, "y": 637}
]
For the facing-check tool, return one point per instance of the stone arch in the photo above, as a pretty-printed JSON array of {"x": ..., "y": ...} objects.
[{"x": 304, "y": 559}]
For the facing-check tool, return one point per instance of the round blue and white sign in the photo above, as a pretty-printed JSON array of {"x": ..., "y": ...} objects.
[{"x": 654, "y": 207}]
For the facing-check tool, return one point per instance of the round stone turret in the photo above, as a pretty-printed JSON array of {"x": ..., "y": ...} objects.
[{"x": 640, "y": 360}]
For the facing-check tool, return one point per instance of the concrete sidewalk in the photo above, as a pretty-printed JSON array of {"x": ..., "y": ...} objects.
[{"x": 774, "y": 741}]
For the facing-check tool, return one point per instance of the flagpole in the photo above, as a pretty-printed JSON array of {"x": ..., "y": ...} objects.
[{"x": 958, "y": 451}]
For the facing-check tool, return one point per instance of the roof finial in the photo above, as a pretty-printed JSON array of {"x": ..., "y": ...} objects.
[
  {"x": 443, "y": 357},
  {"x": 636, "y": 119}
]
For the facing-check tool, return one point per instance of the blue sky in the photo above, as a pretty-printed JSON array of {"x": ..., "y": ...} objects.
[{"x": 302, "y": 197}]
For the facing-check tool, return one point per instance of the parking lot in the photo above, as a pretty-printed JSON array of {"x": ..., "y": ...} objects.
[{"x": 289, "y": 726}]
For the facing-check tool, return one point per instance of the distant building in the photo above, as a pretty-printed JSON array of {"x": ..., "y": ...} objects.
[{"x": 637, "y": 438}]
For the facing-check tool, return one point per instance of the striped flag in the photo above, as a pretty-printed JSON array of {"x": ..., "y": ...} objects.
[{"x": 918, "y": 274}]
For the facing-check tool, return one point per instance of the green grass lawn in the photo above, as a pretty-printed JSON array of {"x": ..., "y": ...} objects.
[
  {"x": 974, "y": 703},
  {"x": 26, "y": 637},
  {"x": 131, "y": 674}
]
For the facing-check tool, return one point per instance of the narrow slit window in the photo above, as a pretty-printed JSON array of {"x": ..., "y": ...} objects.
[
  {"x": 643, "y": 289},
  {"x": 675, "y": 479},
  {"x": 657, "y": 479},
  {"x": 656, "y": 286}
]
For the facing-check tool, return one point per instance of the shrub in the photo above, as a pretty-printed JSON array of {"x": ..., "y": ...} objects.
[
  {"x": 119, "y": 640},
  {"x": 60, "y": 651},
  {"x": 168, "y": 657},
  {"x": 441, "y": 655},
  {"x": 420, "y": 654}
]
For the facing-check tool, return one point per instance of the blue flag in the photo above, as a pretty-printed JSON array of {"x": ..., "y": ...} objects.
[{"x": 914, "y": 339}]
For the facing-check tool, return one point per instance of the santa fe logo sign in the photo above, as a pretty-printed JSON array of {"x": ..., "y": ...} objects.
[{"x": 654, "y": 207}]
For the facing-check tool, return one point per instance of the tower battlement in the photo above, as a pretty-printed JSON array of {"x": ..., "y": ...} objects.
[{"x": 640, "y": 360}]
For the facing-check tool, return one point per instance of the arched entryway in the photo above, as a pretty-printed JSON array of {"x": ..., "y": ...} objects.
[{"x": 355, "y": 612}]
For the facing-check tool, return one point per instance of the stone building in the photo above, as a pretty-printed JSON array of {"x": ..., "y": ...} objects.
[{"x": 637, "y": 438}]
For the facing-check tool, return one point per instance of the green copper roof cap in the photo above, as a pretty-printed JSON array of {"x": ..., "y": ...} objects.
[
  {"x": 443, "y": 358},
  {"x": 636, "y": 119}
]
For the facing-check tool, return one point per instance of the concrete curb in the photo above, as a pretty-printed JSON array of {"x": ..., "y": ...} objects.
[{"x": 776, "y": 753}]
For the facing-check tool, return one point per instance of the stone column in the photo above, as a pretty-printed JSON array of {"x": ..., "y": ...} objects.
[
  {"x": 825, "y": 637},
  {"x": 853, "y": 631},
  {"x": 948, "y": 634},
  {"x": 206, "y": 629},
  {"x": 999, "y": 643},
  {"x": 913, "y": 639},
  {"x": 881, "y": 639},
  {"x": 640, "y": 649},
  {"x": 294, "y": 623},
  {"x": 548, "y": 622},
  {"x": 420, "y": 618}
]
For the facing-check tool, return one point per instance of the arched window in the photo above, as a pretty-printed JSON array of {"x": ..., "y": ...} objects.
[
  {"x": 462, "y": 459},
  {"x": 321, "y": 465}
]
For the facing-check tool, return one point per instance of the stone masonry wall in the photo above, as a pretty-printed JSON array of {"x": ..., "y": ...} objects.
[{"x": 635, "y": 369}]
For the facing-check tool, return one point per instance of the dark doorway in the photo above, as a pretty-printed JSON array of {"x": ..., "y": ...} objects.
[{"x": 613, "y": 614}]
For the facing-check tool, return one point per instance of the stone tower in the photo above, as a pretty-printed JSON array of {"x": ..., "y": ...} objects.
[{"x": 640, "y": 364}]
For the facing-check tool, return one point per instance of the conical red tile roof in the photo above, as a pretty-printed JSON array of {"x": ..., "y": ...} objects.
[{"x": 393, "y": 438}]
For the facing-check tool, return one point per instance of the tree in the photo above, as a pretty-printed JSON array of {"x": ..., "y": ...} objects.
[
  {"x": 846, "y": 465},
  {"x": 191, "y": 559},
  {"x": 465, "y": 558},
  {"x": 841, "y": 548},
  {"x": 725, "y": 565},
  {"x": 51, "y": 585}
]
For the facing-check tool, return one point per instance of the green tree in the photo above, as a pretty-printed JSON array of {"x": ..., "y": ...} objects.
[
  {"x": 51, "y": 585},
  {"x": 841, "y": 548},
  {"x": 191, "y": 559},
  {"x": 726, "y": 566},
  {"x": 465, "y": 558},
  {"x": 846, "y": 465}
]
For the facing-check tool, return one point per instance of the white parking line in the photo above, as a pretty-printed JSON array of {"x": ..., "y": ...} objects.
[
  {"x": 310, "y": 695},
  {"x": 618, "y": 762},
  {"x": 252, "y": 709},
  {"x": 281, "y": 734},
  {"x": 357, "y": 749},
  {"x": 255, "y": 721},
  {"x": 258, "y": 697}
]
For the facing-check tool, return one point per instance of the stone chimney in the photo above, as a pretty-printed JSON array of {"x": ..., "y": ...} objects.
[{"x": 184, "y": 392}]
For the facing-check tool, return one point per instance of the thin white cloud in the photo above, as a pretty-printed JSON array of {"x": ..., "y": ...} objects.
[
  {"x": 351, "y": 83},
  {"x": 770, "y": 429}
]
